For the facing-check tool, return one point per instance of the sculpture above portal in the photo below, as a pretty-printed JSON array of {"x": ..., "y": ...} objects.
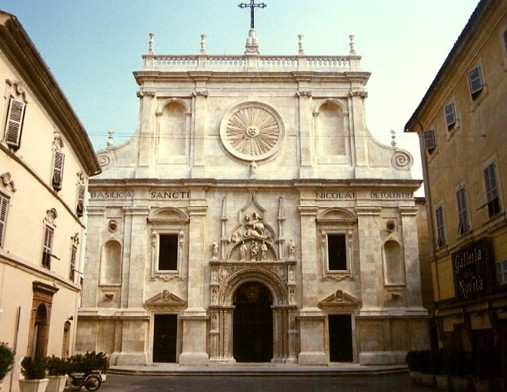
[{"x": 253, "y": 239}]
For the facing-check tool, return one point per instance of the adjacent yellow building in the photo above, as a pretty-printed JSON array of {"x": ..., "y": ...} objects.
[
  {"x": 462, "y": 128},
  {"x": 45, "y": 161}
]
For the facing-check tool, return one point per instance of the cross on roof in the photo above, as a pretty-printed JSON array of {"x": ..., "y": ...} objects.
[{"x": 252, "y": 5}]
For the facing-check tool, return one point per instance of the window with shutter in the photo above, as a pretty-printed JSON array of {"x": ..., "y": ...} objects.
[
  {"x": 430, "y": 141},
  {"x": 439, "y": 214},
  {"x": 58, "y": 171},
  {"x": 475, "y": 81},
  {"x": 463, "y": 223},
  {"x": 47, "y": 249},
  {"x": 73, "y": 255},
  {"x": 80, "y": 201},
  {"x": 450, "y": 115},
  {"x": 492, "y": 194},
  {"x": 4, "y": 207},
  {"x": 14, "y": 123}
]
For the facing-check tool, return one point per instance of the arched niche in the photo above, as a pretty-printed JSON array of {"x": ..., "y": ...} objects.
[
  {"x": 394, "y": 270},
  {"x": 110, "y": 265},
  {"x": 331, "y": 135},
  {"x": 172, "y": 135}
]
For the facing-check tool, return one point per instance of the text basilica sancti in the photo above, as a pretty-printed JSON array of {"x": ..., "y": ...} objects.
[{"x": 252, "y": 218}]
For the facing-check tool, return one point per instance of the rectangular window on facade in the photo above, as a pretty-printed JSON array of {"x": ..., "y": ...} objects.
[
  {"x": 14, "y": 123},
  {"x": 73, "y": 255},
  {"x": 58, "y": 171},
  {"x": 439, "y": 214},
  {"x": 430, "y": 141},
  {"x": 4, "y": 208},
  {"x": 475, "y": 81},
  {"x": 47, "y": 249},
  {"x": 501, "y": 272},
  {"x": 336, "y": 252},
  {"x": 80, "y": 200},
  {"x": 450, "y": 115},
  {"x": 463, "y": 222},
  {"x": 168, "y": 252},
  {"x": 492, "y": 194}
]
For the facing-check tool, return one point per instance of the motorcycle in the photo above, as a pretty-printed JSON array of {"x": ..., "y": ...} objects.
[{"x": 90, "y": 380}]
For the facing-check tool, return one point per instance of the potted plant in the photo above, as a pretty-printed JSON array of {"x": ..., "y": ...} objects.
[
  {"x": 57, "y": 373},
  {"x": 6, "y": 361},
  {"x": 34, "y": 372}
]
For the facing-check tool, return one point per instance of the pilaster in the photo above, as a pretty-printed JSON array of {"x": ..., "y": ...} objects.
[
  {"x": 200, "y": 105},
  {"x": 146, "y": 136}
]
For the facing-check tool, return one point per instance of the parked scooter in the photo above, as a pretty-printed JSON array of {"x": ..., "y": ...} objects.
[{"x": 91, "y": 380}]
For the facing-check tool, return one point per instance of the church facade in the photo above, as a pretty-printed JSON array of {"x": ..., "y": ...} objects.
[{"x": 252, "y": 218}]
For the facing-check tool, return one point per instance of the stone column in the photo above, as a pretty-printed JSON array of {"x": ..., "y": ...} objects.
[
  {"x": 198, "y": 143},
  {"x": 146, "y": 131},
  {"x": 411, "y": 256},
  {"x": 305, "y": 132},
  {"x": 311, "y": 318},
  {"x": 194, "y": 318},
  {"x": 370, "y": 258}
]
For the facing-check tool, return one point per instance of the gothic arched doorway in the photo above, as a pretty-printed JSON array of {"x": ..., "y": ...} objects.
[{"x": 253, "y": 323}]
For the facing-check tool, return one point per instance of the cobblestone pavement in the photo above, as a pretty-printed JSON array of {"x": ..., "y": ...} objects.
[{"x": 182, "y": 383}]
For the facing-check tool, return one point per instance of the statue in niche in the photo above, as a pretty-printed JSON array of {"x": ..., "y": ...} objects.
[
  {"x": 264, "y": 251},
  {"x": 291, "y": 250},
  {"x": 254, "y": 227},
  {"x": 243, "y": 250},
  {"x": 214, "y": 251},
  {"x": 254, "y": 250}
]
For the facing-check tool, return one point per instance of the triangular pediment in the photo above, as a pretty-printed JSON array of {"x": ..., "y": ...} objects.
[
  {"x": 339, "y": 298},
  {"x": 164, "y": 299}
]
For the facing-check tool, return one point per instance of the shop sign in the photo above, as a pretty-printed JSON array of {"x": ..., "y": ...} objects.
[{"x": 473, "y": 269}]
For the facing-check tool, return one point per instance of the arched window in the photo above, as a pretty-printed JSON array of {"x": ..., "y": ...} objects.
[
  {"x": 110, "y": 269},
  {"x": 331, "y": 130},
  {"x": 394, "y": 271},
  {"x": 172, "y": 134}
]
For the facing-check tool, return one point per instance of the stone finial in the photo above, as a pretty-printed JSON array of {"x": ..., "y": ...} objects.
[
  {"x": 352, "y": 44},
  {"x": 151, "y": 43},
  {"x": 203, "y": 44},
  {"x": 252, "y": 46},
  {"x": 301, "y": 50},
  {"x": 393, "y": 138},
  {"x": 109, "y": 143}
]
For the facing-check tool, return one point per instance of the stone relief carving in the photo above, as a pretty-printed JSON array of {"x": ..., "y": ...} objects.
[
  {"x": 214, "y": 251},
  {"x": 104, "y": 160},
  {"x": 253, "y": 239},
  {"x": 252, "y": 132},
  {"x": 7, "y": 181},
  {"x": 291, "y": 250},
  {"x": 401, "y": 160}
]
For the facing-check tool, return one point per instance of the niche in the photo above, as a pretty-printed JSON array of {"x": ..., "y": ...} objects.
[
  {"x": 394, "y": 271},
  {"x": 110, "y": 269},
  {"x": 172, "y": 132},
  {"x": 331, "y": 130}
]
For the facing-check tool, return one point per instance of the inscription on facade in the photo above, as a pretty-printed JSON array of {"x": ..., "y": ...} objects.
[
  {"x": 336, "y": 195},
  {"x": 111, "y": 195},
  {"x": 169, "y": 195},
  {"x": 390, "y": 195}
]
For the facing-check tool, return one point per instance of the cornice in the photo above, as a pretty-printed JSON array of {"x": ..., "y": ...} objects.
[{"x": 21, "y": 52}]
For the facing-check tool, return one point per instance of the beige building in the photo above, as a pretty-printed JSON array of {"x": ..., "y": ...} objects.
[
  {"x": 461, "y": 123},
  {"x": 45, "y": 160},
  {"x": 252, "y": 218}
]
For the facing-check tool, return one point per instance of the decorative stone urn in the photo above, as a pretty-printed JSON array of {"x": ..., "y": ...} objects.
[
  {"x": 33, "y": 385},
  {"x": 56, "y": 383}
]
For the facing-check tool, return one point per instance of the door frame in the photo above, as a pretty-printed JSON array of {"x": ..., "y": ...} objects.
[
  {"x": 151, "y": 337},
  {"x": 355, "y": 355}
]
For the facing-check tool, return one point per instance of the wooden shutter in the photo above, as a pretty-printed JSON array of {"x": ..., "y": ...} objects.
[
  {"x": 80, "y": 200},
  {"x": 72, "y": 263},
  {"x": 462, "y": 211},
  {"x": 4, "y": 206},
  {"x": 47, "y": 248},
  {"x": 492, "y": 198},
  {"x": 430, "y": 142},
  {"x": 14, "y": 123},
  {"x": 475, "y": 81},
  {"x": 440, "y": 226},
  {"x": 450, "y": 115},
  {"x": 58, "y": 171}
]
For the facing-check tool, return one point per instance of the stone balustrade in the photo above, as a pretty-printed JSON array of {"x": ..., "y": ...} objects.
[{"x": 240, "y": 63}]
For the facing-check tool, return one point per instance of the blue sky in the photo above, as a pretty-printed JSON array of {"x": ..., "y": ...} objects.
[{"x": 93, "y": 46}]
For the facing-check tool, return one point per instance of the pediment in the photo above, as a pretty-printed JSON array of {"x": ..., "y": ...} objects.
[
  {"x": 339, "y": 298},
  {"x": 164, "y": 299},
  {"x": 336, "y": 215},
  {"x": 168, "y": 215}
]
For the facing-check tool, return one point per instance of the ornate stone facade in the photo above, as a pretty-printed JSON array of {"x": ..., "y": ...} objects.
[{"x": 259, "y": 175}]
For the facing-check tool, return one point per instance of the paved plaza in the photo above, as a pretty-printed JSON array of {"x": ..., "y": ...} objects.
[{"x": 181, "y": 383}]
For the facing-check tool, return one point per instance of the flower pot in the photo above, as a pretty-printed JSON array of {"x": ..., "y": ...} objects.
[
  {"x": 415, "y": 377},
  {"x": 442, "y": 381},
  {"x": 33, "y": 385},
  {"x": 56, "y": 383},
  {"x": 428, "y": 379},
  {"x": 459, "y": 384}
]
